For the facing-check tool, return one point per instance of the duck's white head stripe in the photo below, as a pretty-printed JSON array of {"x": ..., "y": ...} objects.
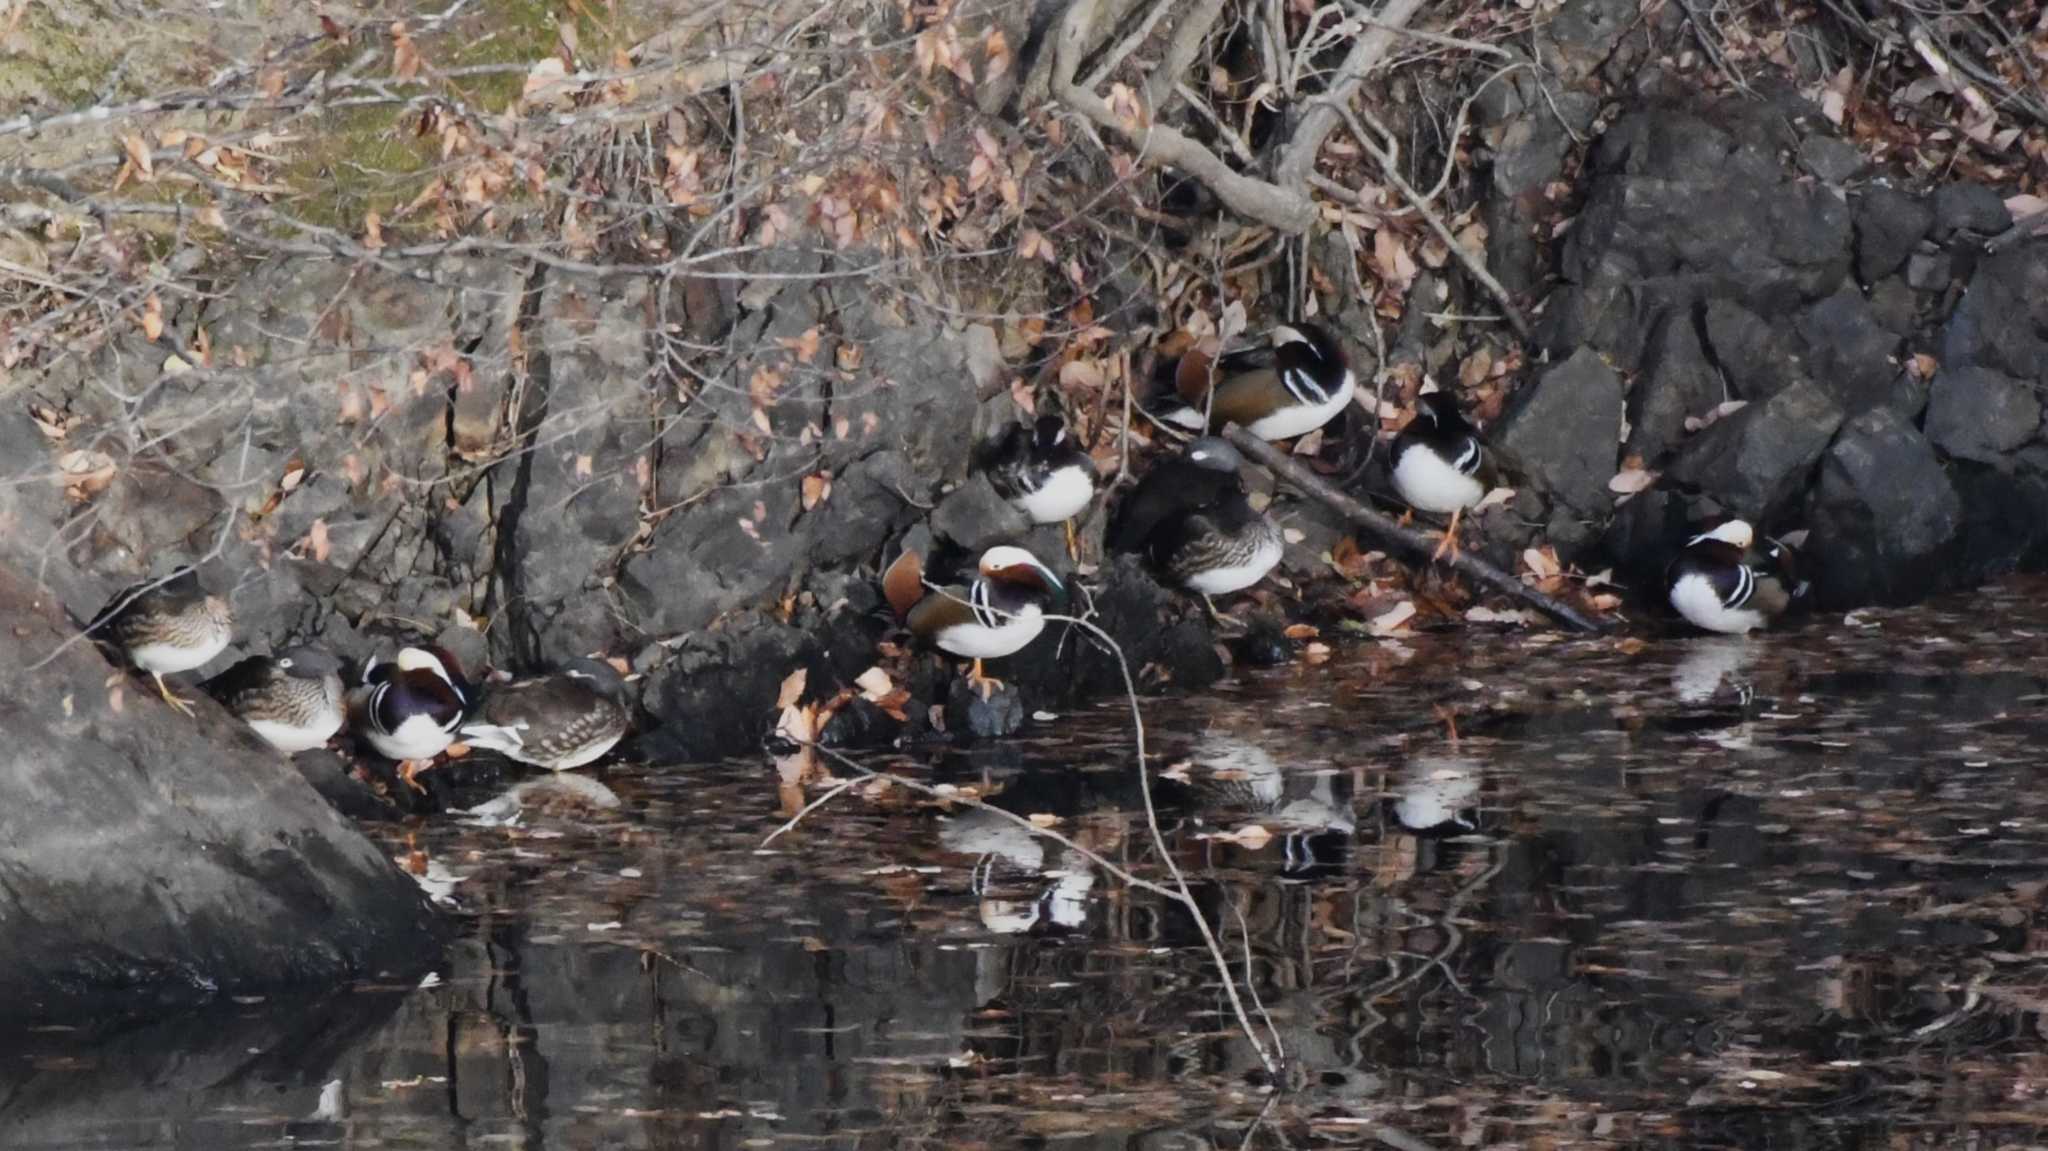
[
  {"x": 1468, "y": 458},
  {"x": 1745, "y": 585},
  {"x": 984, "y": 611},
  {"x": 1303, "y": 386}
]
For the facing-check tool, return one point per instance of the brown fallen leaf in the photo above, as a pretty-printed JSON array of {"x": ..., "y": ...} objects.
[
  {"x": 152, "y": 317},
  {"x": 792, "y": 688}
]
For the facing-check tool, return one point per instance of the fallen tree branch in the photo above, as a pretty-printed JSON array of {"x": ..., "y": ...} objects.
[
  {"x": 1403, "y": 539},
  {"x": 1384, "y": 28},
  {"x": 1282, "y": 207}
]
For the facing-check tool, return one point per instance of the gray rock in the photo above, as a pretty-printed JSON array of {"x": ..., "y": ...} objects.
[
  {"x": 1847, "y": 351},
  {"x": 1001, "y": 714},
  {"x": 973, "y": 517},
  {"x": 1888, "y": 224},
  {"x": 1895, "y": 305},
  {"x": 1563, "y": 432},
  {"x": 1969, "y": 208},
  {"x": 1677, "y": 381},
  {"x": 1976, "y": 413},
  {"x": 2002, "y": 322},
  {"x": 1687, "y": 207},
  {"x": 1757, "y": 360},
  {"x": 232, "y": 876},
  {"x": 1831, "y": 160},
  {"x": 1883, "y": 515},
  {"x": 1757, "y": 459},
  {"x": 1930, "y": 271}
]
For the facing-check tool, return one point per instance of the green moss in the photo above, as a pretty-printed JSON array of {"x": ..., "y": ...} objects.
[
  {"x": 355, "y": 160},
  {"x": 52, "y": 64}
]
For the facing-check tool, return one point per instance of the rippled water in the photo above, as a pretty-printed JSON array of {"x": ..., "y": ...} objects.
[{"x": 1783, "y": 892}]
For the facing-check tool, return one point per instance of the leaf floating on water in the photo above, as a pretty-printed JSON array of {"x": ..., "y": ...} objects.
[{"x": 1480, "y": 613}]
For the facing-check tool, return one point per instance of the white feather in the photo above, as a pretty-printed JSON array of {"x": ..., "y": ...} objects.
[
  {"x": 164, "y": 658},
  {"x": 978, "y": 641},
  {"x": 1184, "y": 417},
  {"x": 1430, "y": 484},
  {"x": 292, "y": 738},
  {"x": 1237, "y": 577},
  {"x": 1301, "y": 419},
  {"x": 1694, "y": 597},
  {"x": 419, "y": 737},
  {"x": 1065, "y": 493},
  {"x": 500, "y": 738}
]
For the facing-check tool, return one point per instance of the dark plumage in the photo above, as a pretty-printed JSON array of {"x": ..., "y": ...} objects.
[
  {"x": 1438, "y": 460},
  {"x": 170, "y": 627},
  {"x": 1190, "y": 519},
  {"x": 559, "y": 721},
  {"x": 1040, "y": 469},
  {"x": 1293, "y": 384},
  {"x": 292, "y": 700}
]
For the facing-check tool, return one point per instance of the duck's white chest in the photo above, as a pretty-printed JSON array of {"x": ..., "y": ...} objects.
[
  {"x": 1065, "y": 493},
  {"x": 1430, "y": 484},
  {"x": 1301, "y": 419},
  {"x": 1693, "y": 596},
  {"x": 164, "y": 658},
  {"x": 979, "y": 641}
]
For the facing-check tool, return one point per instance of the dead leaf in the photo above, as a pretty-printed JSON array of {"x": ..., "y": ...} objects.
[
  {"x": 1316, "y": 653},
  {"x": 152, "y": 317},
  {"x": 138, "y": 155},
  {"x": 1480, "y": 613},
  {"x": 373, "y": 231},
  {"x": 1043, "y": 819},
  {"x": 817, "y": 489},
  {"x": 1630, "y": 481},
  {"x": 317, "y": 544},
  {"x": 1541, "y": 561},
  {"x": 874, "y": 684},
  {"x": 546, "y": 80},
  {"x": 1392, "y": 620},
  {"x": 584, "y": 466},
  {"x": 805, "y": 346},
  {"x": 405, "y": 55},
  {"x": 1494, "y": 498},
  {"x": 1302, "y": 631},
  {"x": 1391, "y": 259},
  {"x": 792, "y": 688}
]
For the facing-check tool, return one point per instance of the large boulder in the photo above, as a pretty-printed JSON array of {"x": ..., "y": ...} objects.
[
  {"x": 1564, "y": 431},
  {"x": 1883, "y": 515},
  {"x": 1677, "y": 381},
  {"x": 1756, "y": 460},
  {"x": 1979, "y": 414},
  {"x": 2002, "y": 322},
  {"x": 1688, "y": 205},
  {"x": 157, "y": 858},
  {"x": 1888, "y": 225}
]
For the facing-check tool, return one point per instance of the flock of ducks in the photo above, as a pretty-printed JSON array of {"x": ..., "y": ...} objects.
[
  {"x": 410, "y": 708},
  {"x": 1189, "y": 518}
]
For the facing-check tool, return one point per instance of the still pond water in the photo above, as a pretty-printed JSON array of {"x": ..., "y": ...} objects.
[{"x": 1784, "y": 892}]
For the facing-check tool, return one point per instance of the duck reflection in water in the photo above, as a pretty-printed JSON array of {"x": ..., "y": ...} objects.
[
  {"x": 1437, "y": 795},
  {"x": 1709, "y": 664},
  {"x": 1022, "y": 880},
  {"x": 1238, "y": 784}
]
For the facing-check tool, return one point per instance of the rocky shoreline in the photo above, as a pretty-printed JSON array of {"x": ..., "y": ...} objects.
[{"x": 1735, "y": 312}]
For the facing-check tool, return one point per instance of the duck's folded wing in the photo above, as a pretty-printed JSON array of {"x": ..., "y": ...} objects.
[{"x": 940, "y": 610}]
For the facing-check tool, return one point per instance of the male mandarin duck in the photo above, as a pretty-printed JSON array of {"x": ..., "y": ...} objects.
[
  {"x": 1041, "y": 470},
  {"x": 997, "y": 613},
  {"x": 1440, "y": 465},
  {"x": 1297, "y": 382},
  {"x": 1721, "y": 582},
  {"x": 410, "y": 708}
]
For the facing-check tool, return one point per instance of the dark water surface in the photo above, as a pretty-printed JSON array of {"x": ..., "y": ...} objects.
[{"x": 1783, "y": 892}]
